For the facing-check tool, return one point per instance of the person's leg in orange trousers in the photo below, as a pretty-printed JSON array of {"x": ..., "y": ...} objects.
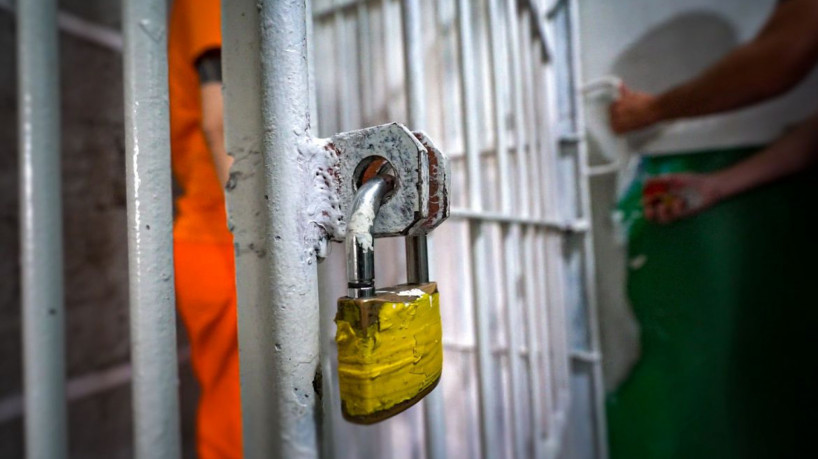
[{"x": 206, "y": 300}]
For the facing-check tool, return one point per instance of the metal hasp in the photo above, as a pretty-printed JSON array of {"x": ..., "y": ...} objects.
[
  {"x": 420, "y": 200},
  {"x": 360, "y": 248},
  {"x": 150, "y": 227},
  {"x": 418, "y": 187},
  {"x": 41, "y": 230}
]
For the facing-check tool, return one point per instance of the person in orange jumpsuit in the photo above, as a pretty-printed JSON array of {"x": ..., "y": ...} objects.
[{"x": 203, "y": 246}]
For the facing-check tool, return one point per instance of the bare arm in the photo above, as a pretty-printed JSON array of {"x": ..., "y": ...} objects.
[
  {"x": 209, "y": 67},
  {"x": 794, "y": 152},
  {"x": 692, "y": 193},
  {"x": 779, "y": 57}
]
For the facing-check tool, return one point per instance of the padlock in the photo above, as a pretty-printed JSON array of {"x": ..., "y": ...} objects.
[{"x": 390, "y": 350}]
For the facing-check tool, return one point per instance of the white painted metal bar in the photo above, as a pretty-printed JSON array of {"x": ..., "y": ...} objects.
[
  {"x": 485, "y": 363},
  {"x": 532, "y": 61},
  {"x": 529, "y": 207},
  {"x": 519, "y": 122},
  {"x": 41, "y": 249},
  {"x": 364, "y": 37},
  {"x": 510, "y": 233},
  {"x": 340, "y": 6},
  {"x": 277, "y": 291},
  {"x": 417, "y": 261},
  {"x": 554, "y": 327},
  {"x": 150, "y": 239},
  {"x": 538, "y": 417},
  {"x": 589, "y": 264},
  {"x": 553, "y": 245},
  {"x": 542, "y": 362},
  {"x": 577, "y": 226},
  {"x": 341, "y": 52},
  {"x": 532, "y": 129}
]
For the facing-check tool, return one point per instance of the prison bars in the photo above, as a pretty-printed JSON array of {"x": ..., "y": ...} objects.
[
  {"x": 41, "y": 230},
  {"x": 150, "y": 230},
  {"x": 542, "y": 228}
]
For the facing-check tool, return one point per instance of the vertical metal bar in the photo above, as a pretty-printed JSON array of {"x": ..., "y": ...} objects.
[
  {"x": 589, "y": 264},
  {"x": 328, "y": 439},
  {"x": 417, "y": 261},
  {"x": 417, "y": 256},
  {"x": 344, "y": 95},
  {"x": 534, "y": 164},
  {"x": 364, "y": 62},
  {"x": 524, "y": 128},
  {"x": 510, "y": 233},
  {"x": 555, "y": 285},
  {"x": 41, "y": 229},
  {"x": 550, "y": 357},
  {"x": 150, "y": 240},
  {"x": 519, "y": 120},
  {"x": 533, "y": 338},
  {"x": 392, "y": 76},
  {"x": 485, "y": 362},
  {"x": 277, "y": 291},
  {"x": 311, "y": 68}
]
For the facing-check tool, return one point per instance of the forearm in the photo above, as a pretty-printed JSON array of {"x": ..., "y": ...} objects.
[
  {"x": 740, "y": 79},
  {"x": 794, "y": 152},
  {"x": 209, "y": 66},
  {"x": 773, "y": 62}
]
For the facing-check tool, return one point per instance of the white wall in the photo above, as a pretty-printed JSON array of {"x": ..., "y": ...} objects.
[{"x": 664, "y": 42}]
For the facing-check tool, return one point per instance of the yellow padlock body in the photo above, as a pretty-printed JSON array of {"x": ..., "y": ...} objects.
[{"x": 390, "y": 351}]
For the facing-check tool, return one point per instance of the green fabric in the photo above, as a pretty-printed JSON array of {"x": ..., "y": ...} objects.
[{"x": 726, "y": 301}]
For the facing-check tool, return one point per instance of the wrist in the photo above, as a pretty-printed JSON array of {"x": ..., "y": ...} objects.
[
  {"x": 654, "y": 110},
  {"x": 720, "y": 185}
]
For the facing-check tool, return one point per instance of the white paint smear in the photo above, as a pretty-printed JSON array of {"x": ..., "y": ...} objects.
[
  {"x": 412, "y": 292},
  {"x": 360, "y": 224}
]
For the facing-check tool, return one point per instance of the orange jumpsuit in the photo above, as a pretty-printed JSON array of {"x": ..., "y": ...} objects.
[{"x": 203, "y": 247}]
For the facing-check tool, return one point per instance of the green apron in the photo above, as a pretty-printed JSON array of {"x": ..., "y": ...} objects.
[{"x": 727, "y": 302}]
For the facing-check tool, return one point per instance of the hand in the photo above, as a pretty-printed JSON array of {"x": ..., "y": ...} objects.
[
  {"x": 668, "y": 198},
  {"x": 633, "y": 110}
]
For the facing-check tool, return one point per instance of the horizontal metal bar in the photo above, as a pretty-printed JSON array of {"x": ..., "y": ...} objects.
[
  {"x": 81, "y": 28},
  {"x": 579, "y": 226},
  {"x": 605, "y": 169},
  {"x": 571, "y": 137},
  {"x": 585, "y": 356},
  {"x": 466, "y": 348},
  {"x": 338, "y": 6},
  {"x": 83, "y": 386}
]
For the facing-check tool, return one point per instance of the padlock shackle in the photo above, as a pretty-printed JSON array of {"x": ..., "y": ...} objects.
[{"x": 359, "y": 242}]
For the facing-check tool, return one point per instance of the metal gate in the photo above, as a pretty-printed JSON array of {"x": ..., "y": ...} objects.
[{"x": 493, "y": 82}]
